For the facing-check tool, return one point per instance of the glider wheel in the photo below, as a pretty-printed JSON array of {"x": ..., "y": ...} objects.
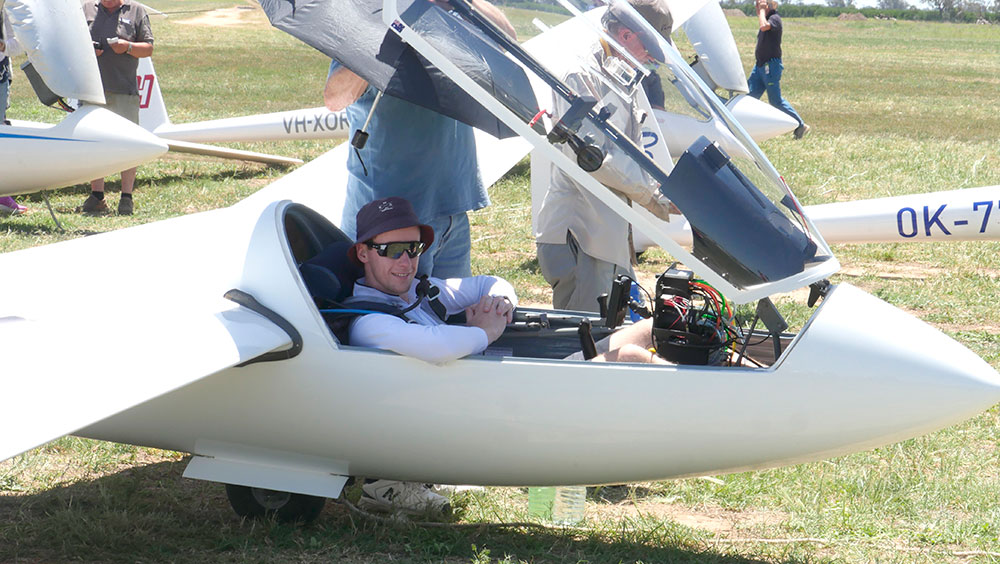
[{"x": 285, "y": 507}]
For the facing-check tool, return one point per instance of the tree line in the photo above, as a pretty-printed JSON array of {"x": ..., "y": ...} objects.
[{"x": 969, "y": 11}]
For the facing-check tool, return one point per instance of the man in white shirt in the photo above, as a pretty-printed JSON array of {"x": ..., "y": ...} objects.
[
  {"x": 581, "y": 243},
  {"x": 390, "y": 241}
]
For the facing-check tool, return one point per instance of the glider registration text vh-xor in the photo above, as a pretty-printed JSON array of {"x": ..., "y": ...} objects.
[{"x": 308, "y": 123}]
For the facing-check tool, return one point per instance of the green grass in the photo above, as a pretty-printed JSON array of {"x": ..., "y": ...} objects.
[{"x": 897, "y": 107}]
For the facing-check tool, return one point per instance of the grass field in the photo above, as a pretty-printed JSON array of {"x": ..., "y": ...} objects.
[{"x": 896, "y": 108}]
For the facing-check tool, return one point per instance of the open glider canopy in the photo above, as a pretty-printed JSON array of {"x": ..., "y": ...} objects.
[
  {"x": 353, "y": 34},
  {"x": 750, "y": 237}
]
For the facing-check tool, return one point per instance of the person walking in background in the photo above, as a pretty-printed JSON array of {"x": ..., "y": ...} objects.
[
  {"x": 121, "y": 34},
  {"x": 9, "y": 47},
  {"x": 766, "y": 74}
]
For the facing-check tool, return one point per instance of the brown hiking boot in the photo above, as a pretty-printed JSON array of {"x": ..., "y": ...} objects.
[
  {"x": 93, "y": 206},
  {"x": 125, "y": 206}
]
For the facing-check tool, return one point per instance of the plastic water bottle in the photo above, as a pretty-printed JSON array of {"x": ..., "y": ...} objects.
[
  {"x": 560, "y": 505},
  {"x": 540, "y": 501},
  {"x": 567, "y": 508}
]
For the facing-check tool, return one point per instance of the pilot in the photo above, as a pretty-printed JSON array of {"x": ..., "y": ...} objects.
[
  {"x": 391, "y": 240},
  {"x": 389, "y": 244},
  {"x": 582, "y": 244}
]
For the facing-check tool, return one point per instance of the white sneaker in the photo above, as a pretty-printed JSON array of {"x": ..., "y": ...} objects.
[{"x": 411, "y": 498}]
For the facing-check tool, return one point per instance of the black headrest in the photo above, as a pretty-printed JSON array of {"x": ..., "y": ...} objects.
[{"x": 330, "y": 274}]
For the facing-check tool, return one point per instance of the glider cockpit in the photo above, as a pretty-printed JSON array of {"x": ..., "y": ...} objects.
[{"x": 319, "y": 250}]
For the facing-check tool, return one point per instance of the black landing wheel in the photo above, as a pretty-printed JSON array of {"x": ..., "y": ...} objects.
[{"x": 257, "y": 503}]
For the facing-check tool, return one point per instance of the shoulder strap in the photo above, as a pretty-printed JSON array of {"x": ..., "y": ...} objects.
[
  {"x": 340, "y": 316},
  {"x": 354, "y": 308},
  {"x": 432, "y": 293}
]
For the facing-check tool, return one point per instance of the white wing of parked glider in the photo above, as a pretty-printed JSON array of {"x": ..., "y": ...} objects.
[
  {"x": 55, "y": 37},
  {"x": 77, "y": 357},
  {"x": 227, "y": 153},
  {"x": 109, "y": 361}
]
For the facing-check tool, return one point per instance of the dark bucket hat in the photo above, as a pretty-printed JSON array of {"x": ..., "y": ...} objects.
[{"x": 387, "y": 214}]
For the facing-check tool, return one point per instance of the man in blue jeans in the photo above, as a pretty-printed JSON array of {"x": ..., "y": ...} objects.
[
  {"x": 766, "y": 74},
  {"x": 417, "y": 154}
]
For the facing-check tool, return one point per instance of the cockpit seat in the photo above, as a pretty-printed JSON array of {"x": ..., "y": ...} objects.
[{"x": 330, "y": 275}]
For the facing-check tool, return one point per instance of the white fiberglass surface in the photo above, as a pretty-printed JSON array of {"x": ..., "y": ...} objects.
[
  {"x": 751, "y": 237},
  {"x": 54, "y": 36}
]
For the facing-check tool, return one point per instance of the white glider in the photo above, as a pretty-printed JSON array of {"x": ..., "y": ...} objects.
[
  {"x": 308, "y": 123},
  {"x": 88, "y": 144},
  {"x": 267, "y": 398}
]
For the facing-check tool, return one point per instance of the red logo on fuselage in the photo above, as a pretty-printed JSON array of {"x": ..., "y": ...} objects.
[{"x": 145, "y": 85}]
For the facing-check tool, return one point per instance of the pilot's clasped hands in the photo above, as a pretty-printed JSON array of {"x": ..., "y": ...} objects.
[
  {"x": 499, "y": 305},
  {"x": 491, "y": 314}
]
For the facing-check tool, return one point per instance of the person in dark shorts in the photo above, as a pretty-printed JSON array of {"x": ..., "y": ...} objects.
[{"x": 121, "y": 34}]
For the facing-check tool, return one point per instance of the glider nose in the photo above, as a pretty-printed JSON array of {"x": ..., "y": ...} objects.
[
  {"x": 89, "y": 143},
  {"x": 762, "y": 121},
  {"x": 898, "y": 376},
  {"x": 120, "y": 142}
]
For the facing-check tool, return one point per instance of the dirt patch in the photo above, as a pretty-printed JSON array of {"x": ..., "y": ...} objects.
[
  {"x": 227, "y": 17},
  {"x": 734, "y": 13},
  {"x": 956, "y": 328},
  {"x": 713, "y": 519},
  {"x": 855, "y": 17},
  {"x": 892, "y": 271}
]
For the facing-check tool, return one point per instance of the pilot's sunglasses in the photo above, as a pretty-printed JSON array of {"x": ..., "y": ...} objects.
[{"x": 413, "y": 249}]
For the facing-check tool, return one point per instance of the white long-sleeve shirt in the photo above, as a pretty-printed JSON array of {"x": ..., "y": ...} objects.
[{"x": 426, "y": 336}]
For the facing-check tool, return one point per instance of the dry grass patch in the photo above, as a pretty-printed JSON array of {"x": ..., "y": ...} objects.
[
  {"x": 228, "y": 17},
  {"x": 892, "y": 271},
  {"x": 713, "y": 519}
]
